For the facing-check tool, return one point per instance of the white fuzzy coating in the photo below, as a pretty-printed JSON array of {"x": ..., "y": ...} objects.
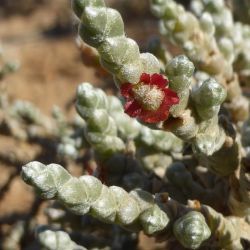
[{"x": 149, "y": 96}]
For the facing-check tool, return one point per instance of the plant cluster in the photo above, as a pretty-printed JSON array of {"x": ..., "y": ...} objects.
[{"x": 172, "y": 150}]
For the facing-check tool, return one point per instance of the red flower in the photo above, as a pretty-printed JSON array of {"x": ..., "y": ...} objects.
[{"x": 150, "y": 99}]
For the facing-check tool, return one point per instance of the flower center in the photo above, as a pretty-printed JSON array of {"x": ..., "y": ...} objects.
[{"x": 149, "y": 96}]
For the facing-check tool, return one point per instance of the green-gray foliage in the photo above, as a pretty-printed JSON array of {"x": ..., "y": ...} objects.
[
  {"x": 191, "y": 230},
  {"x": 135, "y": 210}
]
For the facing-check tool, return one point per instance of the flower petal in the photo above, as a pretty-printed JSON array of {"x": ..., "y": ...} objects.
[
  {"x": 132, "y": 108},
  {"x": 145, "y": 78},
  {"x": 125, "y": 89},
  {"x": 154, "y": 117},
  {"x": 170, "y": 97},
  {"x": 159, "y": 81}
]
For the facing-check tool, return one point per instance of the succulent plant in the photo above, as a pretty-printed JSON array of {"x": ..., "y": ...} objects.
[{"x": 172, "y": 134}]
